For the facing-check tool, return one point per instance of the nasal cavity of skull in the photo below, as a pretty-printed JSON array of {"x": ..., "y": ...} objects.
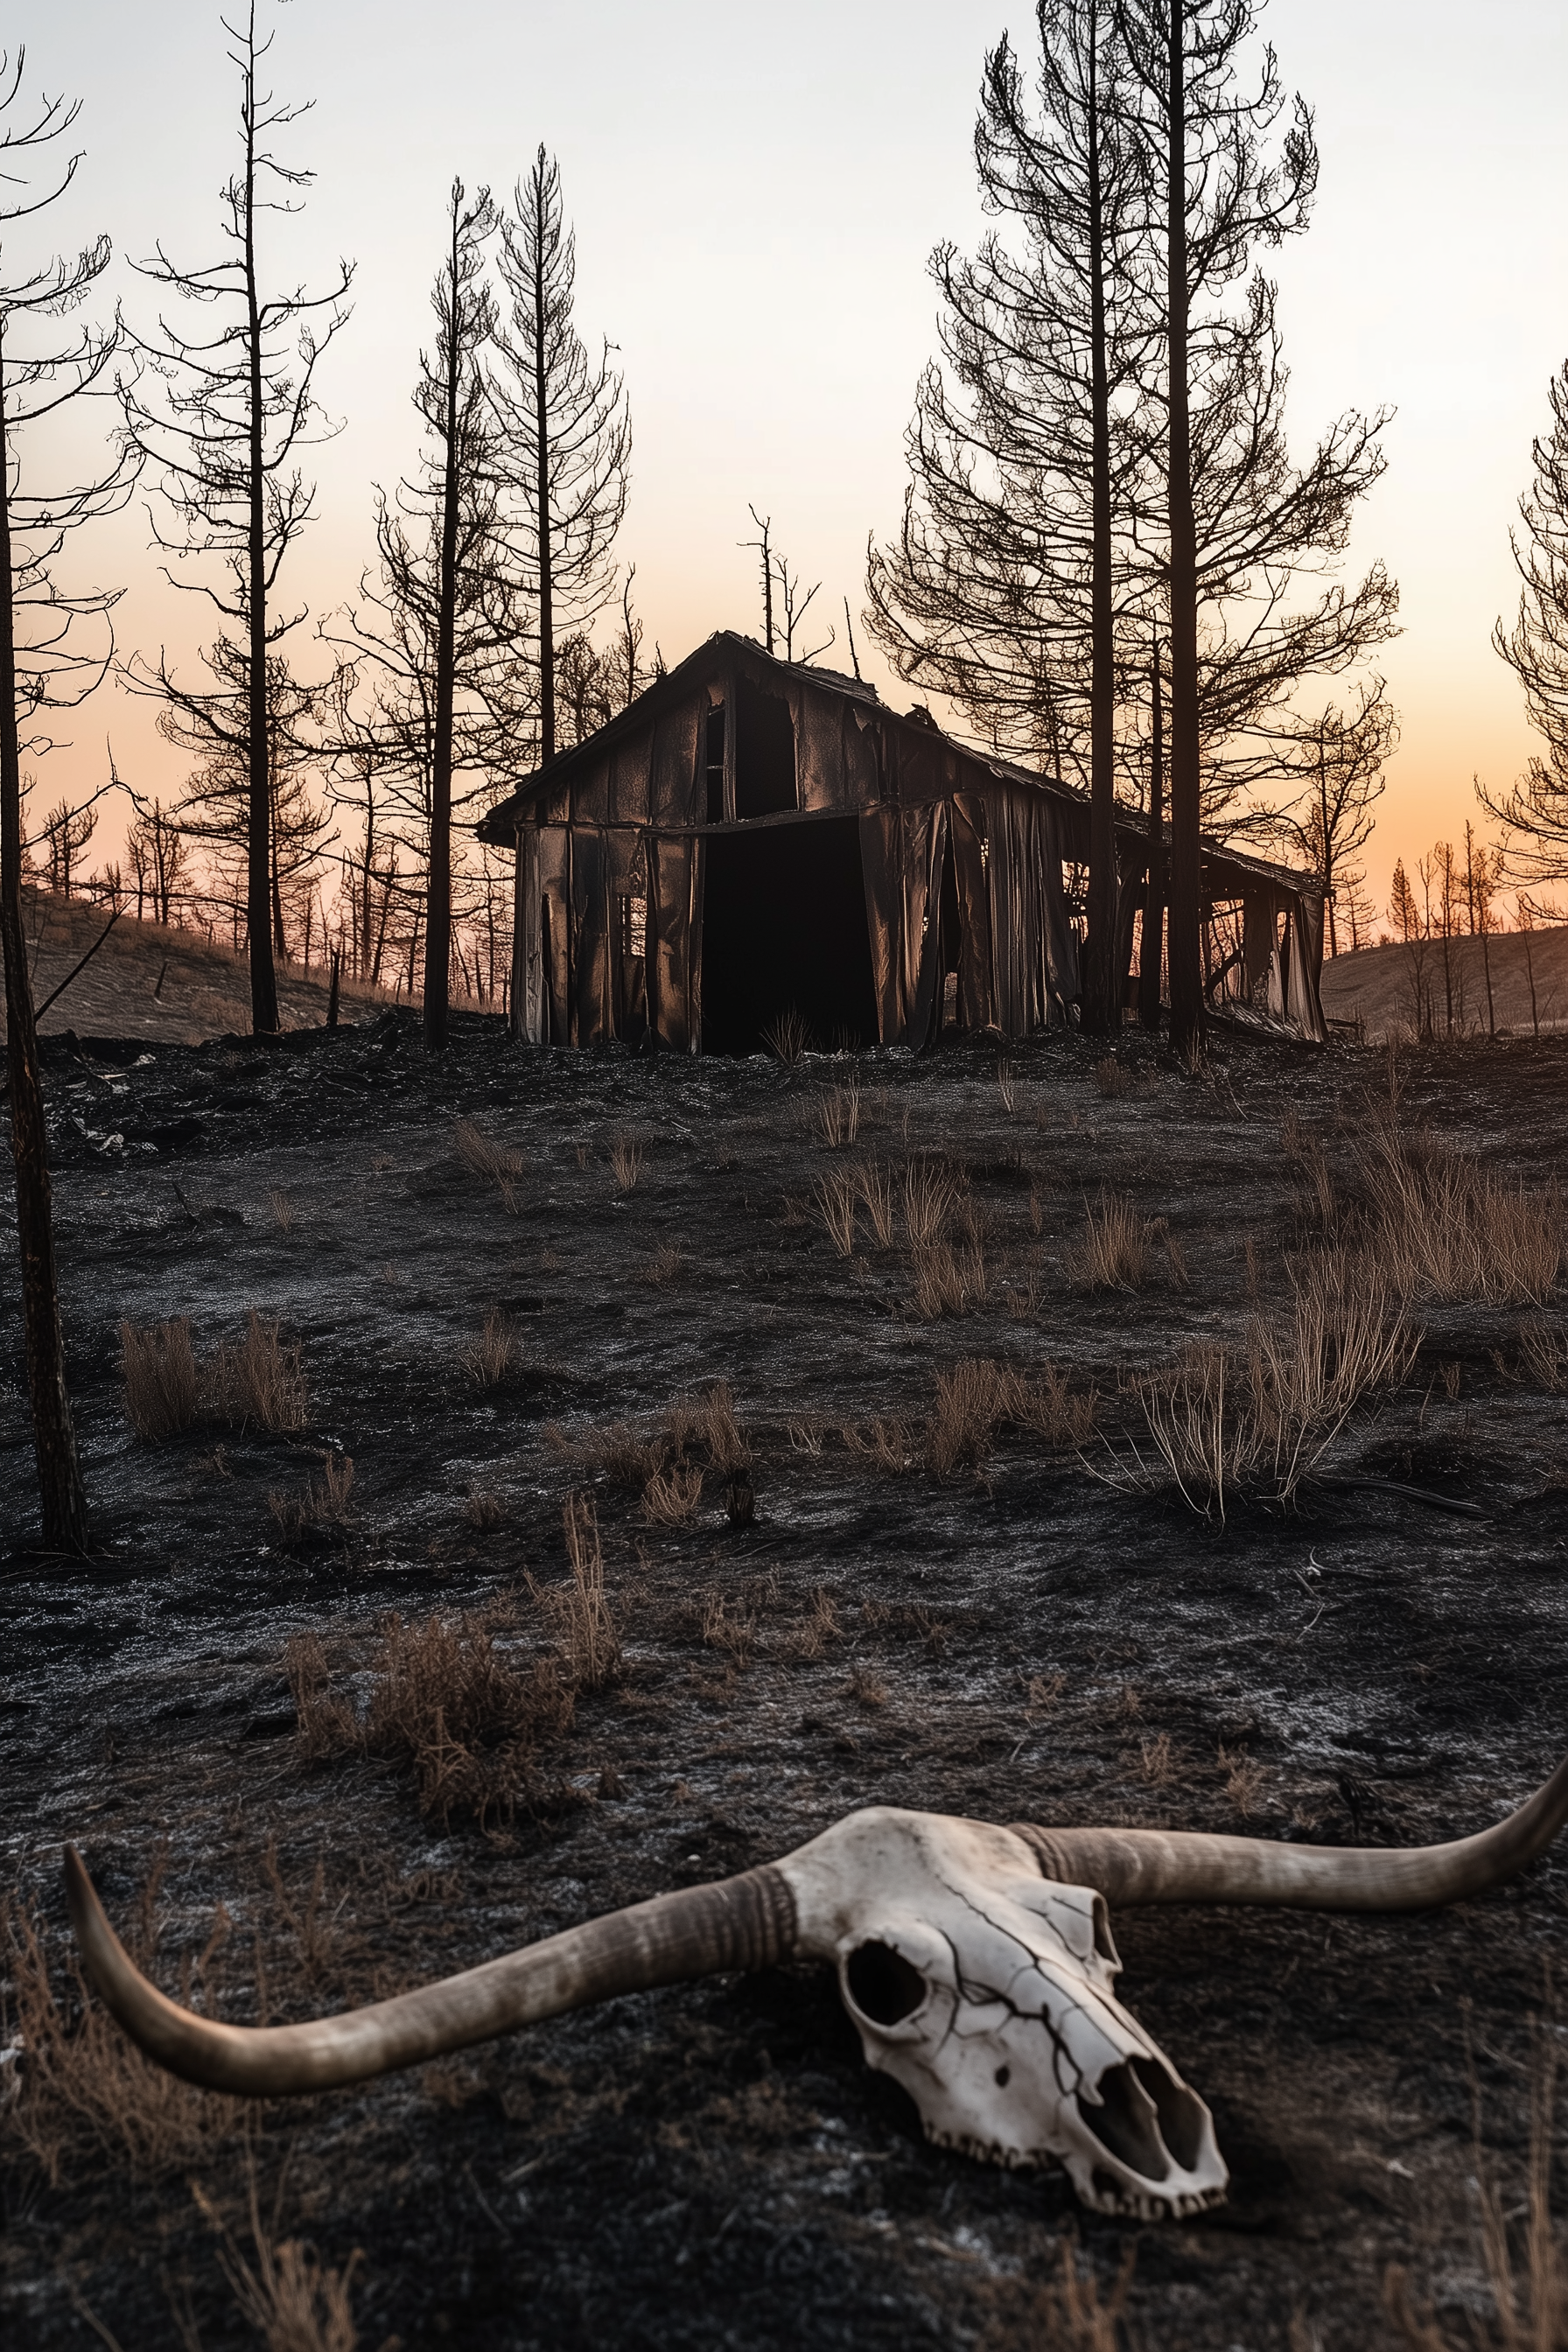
[
  {"x": 1104, "y": 1943},
  {"x": 1181, "y": 2113},
  {"x": 1127, "y": 2121},
  {"x": 883, "y": 1985}
]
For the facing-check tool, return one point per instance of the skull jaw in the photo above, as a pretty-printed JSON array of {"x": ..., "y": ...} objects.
[
  {"x": 1096, "y": 2186},
  {"x": 1116, "y": 2146}
]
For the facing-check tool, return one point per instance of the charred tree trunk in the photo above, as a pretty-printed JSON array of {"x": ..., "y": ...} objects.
[
  {"x": 439, "y": 910},
  {"x": 1185, "y": 949},
  {"x": 1101, "y": 1007},
  {"x": 546, "y": 581},
  {"x": 1154, "y": 893},
  {"x": 258, "y": 836},
  {"x": 61, "y": 1494}
]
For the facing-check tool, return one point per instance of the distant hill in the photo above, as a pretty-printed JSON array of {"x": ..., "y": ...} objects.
[
  {"x": 1380, "y": 984},
  {"x": 168, "y": 986}
]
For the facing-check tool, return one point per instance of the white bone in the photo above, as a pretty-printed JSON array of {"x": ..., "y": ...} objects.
[{"x": 1003, "y": 2025}]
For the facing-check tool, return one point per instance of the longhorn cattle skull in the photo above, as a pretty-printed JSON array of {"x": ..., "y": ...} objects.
[{"x": 976, "y": 1962}]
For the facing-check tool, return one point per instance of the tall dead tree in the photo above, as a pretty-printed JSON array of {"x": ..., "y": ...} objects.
[
  {"x": 1002, "y": 590},
  {"x": 434, "y": 635},
  {"x": 566, "y": 434},
  {"x": 1151, "y": 957},
  {"x": 1535, "y": 812},
  {"x": 221, "y": 417},
  {"x": 1242, "y": 525},
  {"x": 43, "y": 666},
  {"x": 1340, "y": 756}
]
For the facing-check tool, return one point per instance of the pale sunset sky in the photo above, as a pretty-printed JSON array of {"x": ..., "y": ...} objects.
[{"x": 755, "y": 192}]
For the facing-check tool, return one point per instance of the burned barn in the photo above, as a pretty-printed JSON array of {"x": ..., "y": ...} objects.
[{"x": 751, "y": 838}]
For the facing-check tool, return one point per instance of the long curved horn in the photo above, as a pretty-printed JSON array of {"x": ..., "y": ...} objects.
[
  {"x": 1187, "y": 1866},
  {"x": 746, "y": 1922}
]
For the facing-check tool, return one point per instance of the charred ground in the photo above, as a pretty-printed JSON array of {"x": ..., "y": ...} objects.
[{"x": 1017, "y": 1638}]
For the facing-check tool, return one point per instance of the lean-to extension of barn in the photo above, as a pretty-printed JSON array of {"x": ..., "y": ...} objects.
[{"x": 751, "y": 837}]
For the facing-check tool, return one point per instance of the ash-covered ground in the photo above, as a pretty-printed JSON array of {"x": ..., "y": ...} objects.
[{"x": 1027, "y": 1636}]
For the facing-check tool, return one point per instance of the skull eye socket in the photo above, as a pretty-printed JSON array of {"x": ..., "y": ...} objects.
[{"x": 882, "y": 1984}]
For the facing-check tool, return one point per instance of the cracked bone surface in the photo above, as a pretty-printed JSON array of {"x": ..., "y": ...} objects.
[
  {"x": 988, "y": 1993},
  {"x": 976, "y": 1963}
]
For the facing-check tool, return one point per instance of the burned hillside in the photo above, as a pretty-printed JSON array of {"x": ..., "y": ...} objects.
[{"x": 579, "y": 1475}]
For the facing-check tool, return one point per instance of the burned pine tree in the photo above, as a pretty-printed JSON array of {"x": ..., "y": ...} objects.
[
  {"x": 1340, "y": 756},
  {"x": 217, "y": 807},
  {"x": 565, "y": 438},
  {"x": 1242, "y": 525},
  {"x": 42, "y": 667},
  {"x": 222, "y": 431},
  {"x": 435, "y": 637},
  {"x": 1535, "y": 812},
  {"x": 1003, "y": 588}
]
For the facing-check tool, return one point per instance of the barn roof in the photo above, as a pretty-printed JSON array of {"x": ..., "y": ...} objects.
[{"x": 726, "y": 651}]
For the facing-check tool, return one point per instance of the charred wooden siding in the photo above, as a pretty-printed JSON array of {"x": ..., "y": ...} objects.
[{"x": 961, "y": 862}]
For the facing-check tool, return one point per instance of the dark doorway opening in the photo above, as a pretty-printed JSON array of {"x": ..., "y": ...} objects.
[
  {"x": 784, "y": 927},
  {"x": 765, "y": 753}
]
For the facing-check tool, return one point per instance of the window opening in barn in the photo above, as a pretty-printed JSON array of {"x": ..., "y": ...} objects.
[
  {"x": 631, "y": 939},
  {"x": 765, "y": 753},
  {"x": 633, "y": 926},
  {"x": 715, "y": 765}
]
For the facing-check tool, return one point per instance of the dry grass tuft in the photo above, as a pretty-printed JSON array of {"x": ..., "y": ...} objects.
[
  {"x": 670, "y": 1496},
  {"x": 1443, "y": 1228},
  {"x": 1114, "y": 1251},
  {"x": 498, "y": 1164},
  {"x": 1543, "y": 1353},
  {"x": 867, "y": 1689},
  {"x": 666, "y": 1264},
  {"x": 1111, "y": 1077},
  {"x": 259, "y": 1379},
  {"x": 590, "y": 1641},
  {"x": 617, "y": 1450},
  {"x": 971, "y": 1400},
  {"x": 79, "y": 2093},
  {"x": 1244, "y": 1779},
  {"x": 625, "y": 1162},
  {"x": 787, "y": 1037},
  {"x": 1047, "y": 1407},
  {"x": 710, "y": 1422},
  {"x": 292, "y": 2301},
  {"x": 483, "y": 1510},
  {"x": 1067, "y": 2314},
  {"x": 886, "y": 1443},
  {"x": 949, "y": 1281},
  {"x": 323, "y": 1509},
  {"x": 978, "y": 1397},
  {"x": 496, "y": 1356},
  {"x": 930, "y": 1196},
  {"x": 468, "y": 1720},
  {"x": 1223, "y": 1422},
  {"x": 162, "y": 1390},
  {"x": 735, "y": 1634},
  {"x": 1006, "y": 1085},
  {"x": 1160, "y": 1230},
  {"x": 837, "y": 1116},
  {"x": 470, "y": 1717},
  {"x": 874, "y": 1186},
  {"x": 1527, "y": 2273},
  {"x": 282, "y": 1208},
  {"x": 834, "y": 1202},
  {"x": 1156, "y": 1764},
  {"x": 327, "y": 1724}
]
